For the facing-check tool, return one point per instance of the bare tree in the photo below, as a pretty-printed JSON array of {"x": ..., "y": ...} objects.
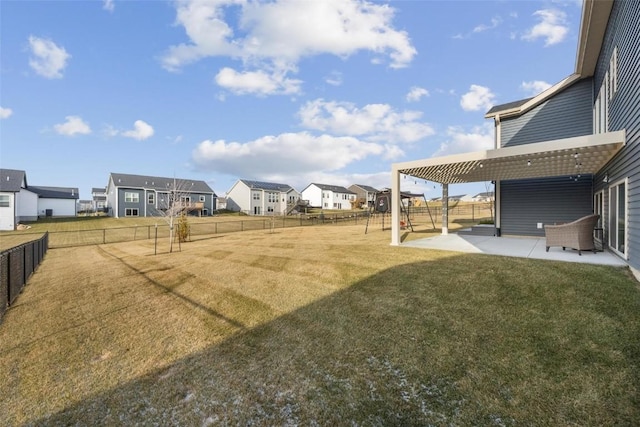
[{"x": 173, "y": 205}]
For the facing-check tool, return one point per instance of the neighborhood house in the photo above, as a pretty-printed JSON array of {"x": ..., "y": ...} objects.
[
  {"x": 138, "y": 195},
  {"x": 21, "y": 202},
  {"x": 261, "y": 198},
  {"x": 571, "y": 151},
  {"x": 329, "y": 196}
]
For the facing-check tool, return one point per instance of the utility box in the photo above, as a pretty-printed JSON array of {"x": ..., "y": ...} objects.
[{"x": 539, "y": 225}]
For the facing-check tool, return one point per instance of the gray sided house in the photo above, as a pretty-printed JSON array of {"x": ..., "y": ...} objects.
[
  {"x": 365, "y": 195},
  {"x": 139, "y": 195},
  {"x": 570, "y": 151}
]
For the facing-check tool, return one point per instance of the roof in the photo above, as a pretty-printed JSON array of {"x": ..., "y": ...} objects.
[
  {"x": 485, "y": 194},
  {"x": 593, "y": 25},
  {"x": 334, "y": 188},
  {"x": 367, "y": 188},
  {"x": 98, "y": 190},
  {"x": 11, "y": 180},
  {"x": 569, "y": 156},
  {"x": 55, "y": 192},
  {"x": 160, "y": 183},
  {"x": 267, "y": 186},
  {"x": 403, "y": 194},
  {"x": 507, "y": 106}
]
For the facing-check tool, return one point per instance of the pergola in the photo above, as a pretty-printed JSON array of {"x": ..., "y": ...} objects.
[{"x": 570, "y": 156}]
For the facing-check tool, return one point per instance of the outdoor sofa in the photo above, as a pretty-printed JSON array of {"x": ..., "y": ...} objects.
[{"x": 576, "y": 235}]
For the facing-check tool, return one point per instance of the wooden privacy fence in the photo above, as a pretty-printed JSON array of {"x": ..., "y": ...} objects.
[{"x": 16, "y": 266}]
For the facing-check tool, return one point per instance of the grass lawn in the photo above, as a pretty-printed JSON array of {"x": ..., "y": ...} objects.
[{"x": 318, "y": 326}]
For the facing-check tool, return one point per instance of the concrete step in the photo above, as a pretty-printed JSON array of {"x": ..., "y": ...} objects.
[{"x": 480, "y": 230}]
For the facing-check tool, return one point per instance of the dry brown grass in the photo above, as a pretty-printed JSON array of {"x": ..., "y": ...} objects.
[{"x": 319, "y": 325}]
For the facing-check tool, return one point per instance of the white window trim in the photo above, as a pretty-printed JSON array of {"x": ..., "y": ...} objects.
[{"x": 135, "y": 197}]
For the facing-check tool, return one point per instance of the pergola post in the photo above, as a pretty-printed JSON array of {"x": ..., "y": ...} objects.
[
  {"x": 445, "y": 209},
  {"x": 395, "y": 207}
]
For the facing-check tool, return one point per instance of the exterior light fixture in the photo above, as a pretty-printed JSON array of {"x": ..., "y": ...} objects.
[{"x": 528, "y": 162}]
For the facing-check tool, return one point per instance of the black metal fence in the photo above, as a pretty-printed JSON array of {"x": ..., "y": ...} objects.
[
  {"x": 16, "y": 266},
  {"x": 60, "y": 239}
]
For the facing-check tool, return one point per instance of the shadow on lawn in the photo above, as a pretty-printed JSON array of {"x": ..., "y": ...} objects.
[{"x": 418, "y": 344}]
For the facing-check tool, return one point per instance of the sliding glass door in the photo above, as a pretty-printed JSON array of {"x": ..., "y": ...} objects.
[{"x": 618, "y": 218}]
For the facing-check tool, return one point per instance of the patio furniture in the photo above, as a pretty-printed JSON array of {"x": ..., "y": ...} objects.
[{"x": 576, "y": 235}]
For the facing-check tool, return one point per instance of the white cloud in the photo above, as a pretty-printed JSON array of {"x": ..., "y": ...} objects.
[
  {"x": 334, "y": 78},
  {"x": 416, "y": 93},
  {"x": 256, "y": 82},
  {"x": 484, "y": 27},
  {"x": 534, "y": 87},
  {"x": 460, "y": 141},
  {"x": 274, "y": 36},
  {"x": 141, "y": 131},
  {"x": 553, "y": 27},
  {"x": 48, "y": 59},
  {"x": 376, "y": 122},
  {"x": 5, "y": 113},
  {"x": 108, "y": 5},
  {"x": 478, "y": 98},
  {"x": 73, "y": 126},
  {"x": 288, "y": 154}
]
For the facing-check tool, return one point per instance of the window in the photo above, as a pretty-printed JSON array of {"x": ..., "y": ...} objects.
[
  {"x": 151, "y": 198},
  {"x": 256, "y": 195},
  {"x": 131, "y": 197},
  {"x": 608, "y": 89},
  {"x": 598, "y": 209},
  {"x": 269, "y": 208},
  {"x": 131, "y": 212},
  {"x": 202, "y": 198},
  {"x": 5, "y": 201},
  {"x": 613, "y": 73}
]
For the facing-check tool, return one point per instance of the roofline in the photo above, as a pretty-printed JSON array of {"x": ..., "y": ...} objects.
[
  {"x": 593, "y": 25},
  {"x": 536, "y": 100}
]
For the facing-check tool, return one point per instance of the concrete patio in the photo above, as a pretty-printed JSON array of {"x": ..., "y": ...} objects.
[{"x": 522, "y": 247}]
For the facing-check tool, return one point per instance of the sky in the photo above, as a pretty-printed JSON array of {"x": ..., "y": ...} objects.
[{"x": 286, "y": 91}]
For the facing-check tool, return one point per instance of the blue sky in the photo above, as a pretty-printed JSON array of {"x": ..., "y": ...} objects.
[{"x": 290, "y": 91}]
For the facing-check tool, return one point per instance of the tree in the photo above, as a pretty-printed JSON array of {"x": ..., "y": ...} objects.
[{"x": 173, "y": 206}]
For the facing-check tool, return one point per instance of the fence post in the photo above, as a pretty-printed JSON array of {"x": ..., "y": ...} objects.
[{"x": 104, "y": 236}]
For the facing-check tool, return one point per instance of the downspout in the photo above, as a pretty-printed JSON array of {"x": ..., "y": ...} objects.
[
  {"x": 496, "y": 188},
  {"x": 395, "y": 206}
]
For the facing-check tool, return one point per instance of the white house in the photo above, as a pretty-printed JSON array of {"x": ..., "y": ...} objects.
[
  {"x": 16, "y": 202},
  {"x": 56, "y": 201},
  {"x": 329, "y": 196},
  {"x": 261, "y": 198},
  {"x": 20, "y": 202}
]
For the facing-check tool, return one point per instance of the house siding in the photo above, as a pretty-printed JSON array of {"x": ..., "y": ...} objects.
[
  {"x": 566, "y": 115},
  {"x": 123, "y": 205},
  {"x": 525, "y": 203},
  {"x": 623, "y": 31}
]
